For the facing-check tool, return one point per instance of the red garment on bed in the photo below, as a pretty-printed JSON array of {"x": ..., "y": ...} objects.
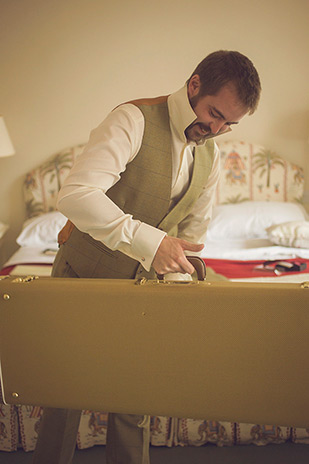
[
  {"x": 8, "y": 269},
  {"x": 245, "y": 269}
]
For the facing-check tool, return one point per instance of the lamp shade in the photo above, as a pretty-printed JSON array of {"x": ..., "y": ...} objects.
[{"x": 6, "y": 146}]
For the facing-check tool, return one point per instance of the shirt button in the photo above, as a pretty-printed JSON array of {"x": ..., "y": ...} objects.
[{"x": 143, "y": 259}]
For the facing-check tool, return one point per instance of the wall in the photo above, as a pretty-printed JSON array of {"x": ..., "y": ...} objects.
[{"x": 66, "y": 63}]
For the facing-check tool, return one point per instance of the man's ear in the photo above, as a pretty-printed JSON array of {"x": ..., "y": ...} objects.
[{"x": 194, "y": 86}]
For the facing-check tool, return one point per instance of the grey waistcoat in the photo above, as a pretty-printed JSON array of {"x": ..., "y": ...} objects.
[{"x": 144, "y": 190}]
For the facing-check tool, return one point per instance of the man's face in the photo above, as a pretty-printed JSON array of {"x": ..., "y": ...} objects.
[{"x": 214, "y": 113}]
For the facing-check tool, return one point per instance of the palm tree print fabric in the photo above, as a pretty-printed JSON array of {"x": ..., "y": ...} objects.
[
  {"x": 248, "y": 173},
  {"x": 24, "y": 422},
  {"x": 253, "y": 173},
  {"x": 41, "y": 186}
]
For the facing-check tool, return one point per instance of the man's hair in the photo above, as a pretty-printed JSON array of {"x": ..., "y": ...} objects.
[{"x": 229, "y": 67}]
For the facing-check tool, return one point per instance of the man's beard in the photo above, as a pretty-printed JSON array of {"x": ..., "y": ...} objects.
[{"x": 198, "y": 132}]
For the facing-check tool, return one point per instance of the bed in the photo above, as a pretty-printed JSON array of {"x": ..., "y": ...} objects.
[{"x": 258, "y": 222}]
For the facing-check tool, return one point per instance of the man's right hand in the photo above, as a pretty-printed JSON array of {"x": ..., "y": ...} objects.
[{"x": 170, "y": 256}]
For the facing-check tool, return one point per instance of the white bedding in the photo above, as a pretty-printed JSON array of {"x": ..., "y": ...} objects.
[
  {"x": 254, "y": 250},
  {"x": 31, "y": 255},
  {"x": 212, "y": 250},
  {"x": 257, "y": 250},
  {"x": 286, "y": 278},
  {"x": 245, "y": 225},
  {"x": 29, "y": 269},
  {"x": 27, "y": 260},
  {"x": 240, "y": 250}
]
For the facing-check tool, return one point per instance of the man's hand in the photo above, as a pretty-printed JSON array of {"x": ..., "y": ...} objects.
[{"x": 170, "y": 256}]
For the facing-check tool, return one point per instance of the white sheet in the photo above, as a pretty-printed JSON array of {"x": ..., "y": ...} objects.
[
  {"x": 253, "y": 250},
  {"x": 29, "y": 269},
  {"x": 286, "y": 278},
  {"x": 239, "y": 251},
  {"x": 28, "y": 255}
]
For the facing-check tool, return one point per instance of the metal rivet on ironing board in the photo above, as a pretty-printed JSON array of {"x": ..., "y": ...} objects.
[
  {"x": 15, "y": 395},
  {"x": 6, "y": 296},
  {"x": 143, "y": 313}
]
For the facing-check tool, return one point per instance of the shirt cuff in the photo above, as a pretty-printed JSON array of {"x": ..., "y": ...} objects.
[
  {"x": 145, "y": 244},
  {"x": 178, "y": 276}
]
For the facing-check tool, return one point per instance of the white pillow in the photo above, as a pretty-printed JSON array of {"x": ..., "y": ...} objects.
[
  {"x": 42, "y": 231},
  {"x": 292, "y": 234},
  {"x": 251, "y": 219}
]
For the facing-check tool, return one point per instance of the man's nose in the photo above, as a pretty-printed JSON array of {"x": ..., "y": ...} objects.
[{"x": 216, "y": 126}]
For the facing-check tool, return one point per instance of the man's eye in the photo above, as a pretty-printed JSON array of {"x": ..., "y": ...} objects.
[{"x": 213, "y": 115}]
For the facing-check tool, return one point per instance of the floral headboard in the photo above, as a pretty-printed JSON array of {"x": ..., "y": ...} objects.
[
  {"x": 248, "y": 172},
  {"x": 251, "y": 172},
  {"x": 41, "y": 186}
]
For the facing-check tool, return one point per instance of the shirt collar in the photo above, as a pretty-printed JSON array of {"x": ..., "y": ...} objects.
[{"x": 182, "y": 114}]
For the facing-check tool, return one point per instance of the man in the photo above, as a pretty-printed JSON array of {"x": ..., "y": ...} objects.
[{"x": 138, "y": 200}]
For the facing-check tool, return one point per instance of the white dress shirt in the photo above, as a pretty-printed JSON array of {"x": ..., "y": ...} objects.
[{"x": 112, "y": 145}]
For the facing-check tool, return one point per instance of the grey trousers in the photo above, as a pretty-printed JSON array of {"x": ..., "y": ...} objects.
[
  {"x": 127, "y": 435},
  {"x": 127, "y": 438}
]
